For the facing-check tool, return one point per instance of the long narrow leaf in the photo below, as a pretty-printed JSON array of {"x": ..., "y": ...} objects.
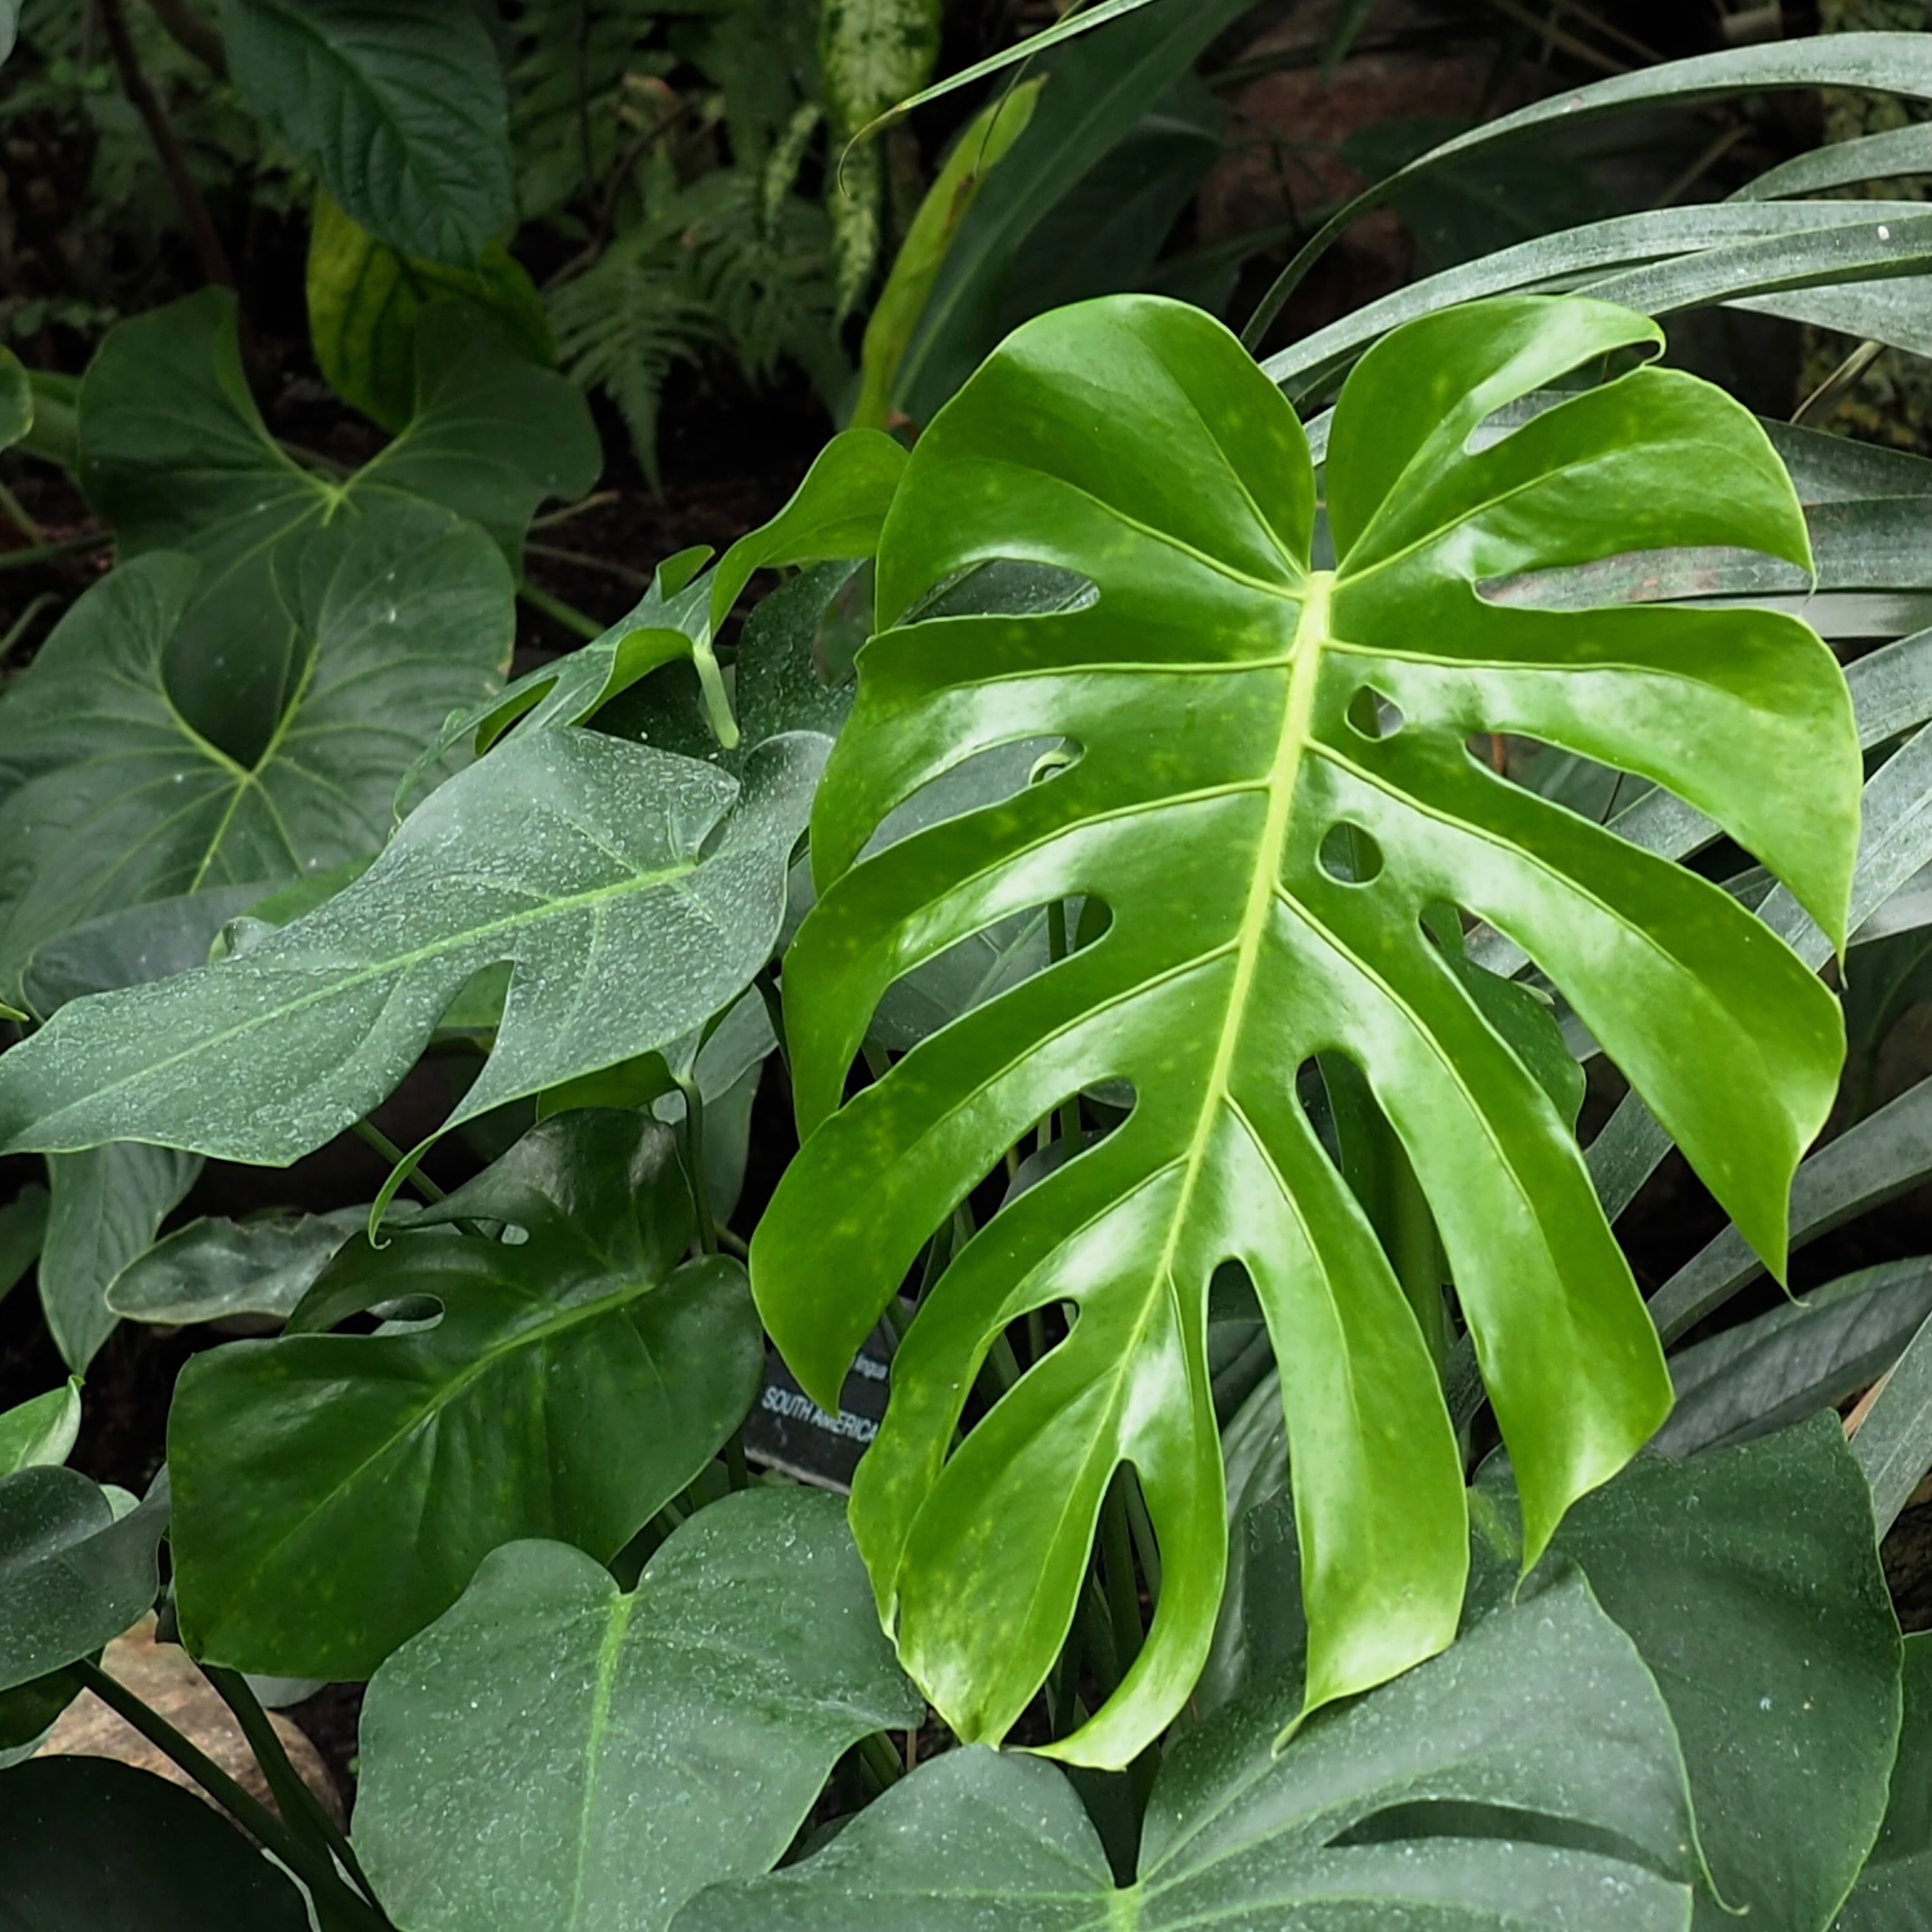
[
  {"x": 1894, "y": 64},
  {"x": 1895, "y": 1445}
]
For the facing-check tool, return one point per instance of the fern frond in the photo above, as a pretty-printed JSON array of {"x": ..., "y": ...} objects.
[{"x": 623, "y": 325}]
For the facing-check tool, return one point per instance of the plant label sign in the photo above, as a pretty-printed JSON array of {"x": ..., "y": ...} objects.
[{"x": 788, "y": 1432}]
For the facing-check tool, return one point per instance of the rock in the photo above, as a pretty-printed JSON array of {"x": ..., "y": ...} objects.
[{"x": 164, "y": 1677}]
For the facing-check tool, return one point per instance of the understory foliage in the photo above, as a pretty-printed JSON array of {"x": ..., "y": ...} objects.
[{"x": 1111, "y": 1016}]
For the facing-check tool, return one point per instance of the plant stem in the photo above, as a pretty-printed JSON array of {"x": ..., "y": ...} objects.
[
  {"x": 1412, "y": 1249},
  {"x": 580, "y": 559},
  {"x": 1123, "y": 1600},
  {"x": 559, "y": 612},
  {"x": 45, "y": 553},
  {"x": 1145, "y": 1547},
  {"x": 302, "y": 1810},
  {"x": 215, "y": 264},
  {"x": 736, "y": 1467},
  {"x": 694, "y": 1155},
  {"x": 318, "y": 1874},
  {"x": 877, "y": 1754},
  {"x": 11, "y": 509},
  {"x": 372, "y": 1136},
  {"x": 23, "y": 623}
]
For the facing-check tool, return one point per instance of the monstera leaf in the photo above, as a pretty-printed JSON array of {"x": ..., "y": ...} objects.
[{"x": 1234, "y": 714}]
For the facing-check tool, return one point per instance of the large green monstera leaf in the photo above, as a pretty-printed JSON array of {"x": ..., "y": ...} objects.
[{"x": 1227, "y": 708}]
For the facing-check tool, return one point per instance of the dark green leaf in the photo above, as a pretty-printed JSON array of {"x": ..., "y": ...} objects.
[
  {"x": 1897, "y": 64},
  {"x": 23, "y": 1224},
  {"x": 365, "y": 306},
  {"x": 1769, "y": 1372},
  {"x": 71, "y": 1576},
  {"x": 1542, "y": 1723},
  {"x": 563, "y": 850},
  {"x": 400, "y": 109},
  {"x": 1894, "y": 1443},
  {"x": 106, "y": 1204},
  {"x": 1748, "y": 1579},
  {"x": 1880, "y": 1156},
  {"x": 87, "y": 1845},
  {"x": 394, "y": 620},
  {"x": 128, "y": 948},
  {"x": 1129, "y": 442},
  {"x": 212, "y": 1269},
  {"x": 1095, "y": 93},
  {"x": 175, "y": 453},
  {"x": 642, "y": 1746},
  {"x": 335, "y": 1493}
]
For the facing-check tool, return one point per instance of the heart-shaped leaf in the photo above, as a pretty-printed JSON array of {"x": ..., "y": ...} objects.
[
  {"x": 392, "y": 620},
  {"x": 564, "y": 851},
  {"x": 335, "y": 1493},
  {"x": 1236, "y": 713},
  {"x": 400, "y": 109},
  {"x": 365, "y": 305},
  {"x": 175, "y": 453},
  {"x": 85, "y": 1842},
  {"x": 1528, "y": 1777},
  {"x": 72, "y": 1576},
  {"x": 643, "y": 1746}
]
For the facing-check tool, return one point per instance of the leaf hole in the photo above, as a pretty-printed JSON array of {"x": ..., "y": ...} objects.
[
  {"x": 1349, "y": 854},
  {"x": 1372, "y": 716}
]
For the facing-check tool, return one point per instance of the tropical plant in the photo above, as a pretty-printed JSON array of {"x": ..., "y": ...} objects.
[{"x": 1185, "y": 1013}]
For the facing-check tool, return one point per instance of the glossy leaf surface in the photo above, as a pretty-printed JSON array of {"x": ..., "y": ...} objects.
[
  {"x": 392, "y": 620},
  {"x": 335, "y": 1493},
  {"x": 553, "y": 1753},
  {"x": 87, "y": 1845},
  {"x": 563, "y": 851},
  {"x": 1543, "y": 1720},
  {"x": 1215, "y": 690},
  {"x": 399, "y": 107},
  {"x": 365, "y": 307},
  {"x": 72, "y": 1576}
]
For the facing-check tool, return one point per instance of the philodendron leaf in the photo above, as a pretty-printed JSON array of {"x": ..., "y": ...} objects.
[
  {"x": 105, "y": 1206},
  {"x": 1218, "y": 691},
  {"x": 212, "y": 1269},
  {"x": 40, "y": 1432},
  {"x": 1749, "y": 1580},
  {"x": 399, "y": 109},
  {"x": 72, "y": 1576},
  {"x": 335, "y": 1493},
  {"x": 1542, "y": 1724},
  {"x": 23, "y": 1227},
  {"x": 836, "y": 512},
  {"x": 636, "y": 892},
  {"x": 175, "y": 453},
  {"x": 365, "y": 305},
  {"x": 392, "y": 620},
  {"x": 554, "y": 1755},
  {"x": 87, "y": 1843}
]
